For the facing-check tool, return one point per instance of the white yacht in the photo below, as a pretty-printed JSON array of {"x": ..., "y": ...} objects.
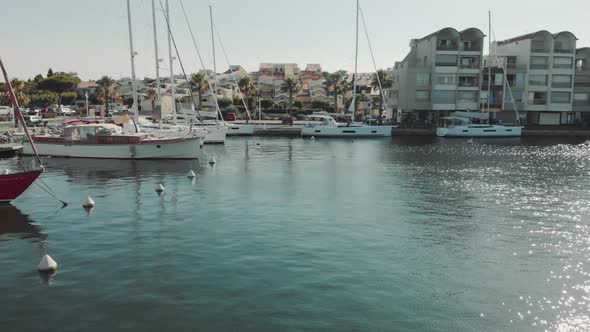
[
  {"x": 454, "y": 126},
  {"x": 108, "y": 141},
  {"x": 328, "y": 127}
]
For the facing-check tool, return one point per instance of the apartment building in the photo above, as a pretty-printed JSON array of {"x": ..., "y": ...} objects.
[
  {"x": 581, "y": 103},
  {"x": 540, "y": 71},
  {"x": 440, "y": 74}
]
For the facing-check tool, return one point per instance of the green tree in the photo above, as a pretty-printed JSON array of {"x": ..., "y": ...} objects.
[
  {"x": 247, "y": 89},
  {"x": 42, "y": 99},
  {"x": 335, "y": 84},
  {"x": 200, "y": 83},
  {"x": 224, "y": 102},
  {"x": 50, "y": 72},
  {"x": 105, "y": 91},
  {"x": 386, "y": 82},
  {"x": 267, "y": 104},
  {"x": 290, "y": 86},
  {"x": 58, "y": 84},
  {"x": 68, "y": 98},
  {"x": 152, "y": 95},
  {"x": 38, "y": 78}
]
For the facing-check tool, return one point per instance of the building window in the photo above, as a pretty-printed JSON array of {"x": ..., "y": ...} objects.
[
  {"x": 562, "y": 62},
  {"x": 443, "y": 97},
  {"x": 447, "y": 60},
  {"x": 469, "y": 62},
  {"x": 468, "y": 81},
  {"x": 561, "y": 81},
  {"x": 560, "y": 97},
  {"x": 511, "y": 61},
  {"x": 499, "y": 79},
  {"x": 467, "y": 96},
  {"x": 422, "y": 96},
  {"x": 445, "y": 79},
  {"x": 538, "y": 80},
  {"x": 582, "y": 98},
  {"x": 580, "y": 64},
  {"x": 538, "y": 98},
  {"x": 422, "y": 79},
  {"x": 539, "y": 62}
]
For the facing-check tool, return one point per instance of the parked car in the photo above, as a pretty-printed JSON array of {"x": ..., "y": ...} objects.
[
  {"x": 230, "y": 117},
  {"x": 66, "y": 110}
]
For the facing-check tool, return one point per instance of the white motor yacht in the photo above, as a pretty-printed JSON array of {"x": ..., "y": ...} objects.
[
  {"x": 462, "y": 127},
  {"x": 330, "y": 128}
]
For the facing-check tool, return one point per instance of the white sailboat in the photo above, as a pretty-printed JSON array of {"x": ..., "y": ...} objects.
[
  {"x": 330, "y": 128},
  {"x": 92, "y": 139},
  {"x": 187, "y": 124},
  {"x": 462, "y": 127}
]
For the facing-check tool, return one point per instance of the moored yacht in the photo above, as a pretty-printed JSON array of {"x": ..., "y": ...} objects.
[
  {"x": 108, "y": 141},
  {"x": 330, "y": 128},
  {"x": 462, "y": 127}
]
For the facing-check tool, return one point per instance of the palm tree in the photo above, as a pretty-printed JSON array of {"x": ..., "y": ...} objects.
[
  {"x": 200, "y": 83},
  {"x": 105, "y": 91},
  {"x": 151, "y": 95},
  {"x": 291, "y": 86},
  {"x": 386, "y": 82},
  {"x": 335, "y": 84},
  {"x": 247, "y": 89},
  {"x": 20, "y": 91}
]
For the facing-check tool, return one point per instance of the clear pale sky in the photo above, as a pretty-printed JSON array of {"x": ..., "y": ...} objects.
[{"x": 91, "y": 37}]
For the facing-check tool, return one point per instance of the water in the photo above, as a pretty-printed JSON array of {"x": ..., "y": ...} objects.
[{"x": 372, "y": 235}]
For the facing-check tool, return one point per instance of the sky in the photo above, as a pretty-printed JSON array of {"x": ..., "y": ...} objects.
[{"x": 91, "y": 37}]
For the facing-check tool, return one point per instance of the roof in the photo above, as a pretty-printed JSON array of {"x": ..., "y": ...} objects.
[
  {"x": 459, "y": 33},
  {"x": 532, "y": 35}
]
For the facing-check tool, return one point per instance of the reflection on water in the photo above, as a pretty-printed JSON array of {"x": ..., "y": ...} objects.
[
  {"x": 13, "y": 222},
  {"x": 407, "y": 234}
]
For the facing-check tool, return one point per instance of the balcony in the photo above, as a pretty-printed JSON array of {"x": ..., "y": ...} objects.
[
  {"x": 538, "y": 102},
  {"x": 563, "y": 50},
  {"x": 540, "y": 66},
  {"x": 452, "y": 47},
  {"x": 473, "y": 48},
  {"x": 540, "y": 50},
  {"x": 561, "y": 85},
  {"x": 468, "y": 84}
]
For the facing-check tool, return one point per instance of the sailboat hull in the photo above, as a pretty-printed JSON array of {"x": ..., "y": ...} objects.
[
  {"x": 479, "y": 131},
  {"x": 181, "y": 148},
  {"x": 344, "y": 131},
  {"x": 234, "y": 129},
  {"x": 13, "y": 185}
]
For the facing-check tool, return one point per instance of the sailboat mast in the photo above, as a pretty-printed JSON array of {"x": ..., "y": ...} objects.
[
  {"x": 172, "y": 85},
  {"x": 134, "y": 104},
  {"x": 214, "y": 63},
  {"x": 158, "y": 89},
  {"x": 356, "y": 56},
  {"x": 489, "y": 57}
]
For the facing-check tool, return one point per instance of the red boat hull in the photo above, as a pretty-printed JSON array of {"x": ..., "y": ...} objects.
[{"x": 13, "y": 185}]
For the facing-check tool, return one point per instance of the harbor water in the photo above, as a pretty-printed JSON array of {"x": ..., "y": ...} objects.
[{"x": 402, "y": 234}]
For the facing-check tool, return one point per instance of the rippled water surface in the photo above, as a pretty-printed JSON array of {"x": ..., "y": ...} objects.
[{"x": 370, "y": 235}]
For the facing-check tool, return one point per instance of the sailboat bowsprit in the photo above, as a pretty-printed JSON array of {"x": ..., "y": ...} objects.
[{"x": 12, "y": 185}]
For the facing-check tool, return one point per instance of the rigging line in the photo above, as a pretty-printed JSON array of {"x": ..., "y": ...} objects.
[
  {"x": 200, "y": 59},
  {"x": 373, "y": 58},
  {"x": 233, "y": 76},
  {"x": 49, "y": 192},
  {"x": 180, "y": 61}
]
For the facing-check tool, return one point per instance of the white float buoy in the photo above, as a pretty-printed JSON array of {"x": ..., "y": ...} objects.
[
  {"x": 47, "y": 264},
  {"x": 89, "y": 203},
  {"x": 160, "y": 189},
  {"x": 6, "y": 172},
  {"x": 191, "y": 174},
  {"x": 470, "y": 141},
  {"x": 312, "y": 138},
  {"x": 212, "y": 161}
]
